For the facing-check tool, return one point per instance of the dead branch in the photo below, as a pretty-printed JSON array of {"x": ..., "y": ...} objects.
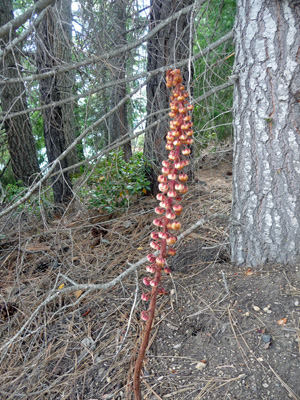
[
  {"x": 132, "y": 78},
  {"x": 24, "y": 35},
  {"x": 21, "y": 19},
  {"x": 108, "y": 55},
  {"x": 36, "y": 185},
  {"x": 91, "y": 287}
]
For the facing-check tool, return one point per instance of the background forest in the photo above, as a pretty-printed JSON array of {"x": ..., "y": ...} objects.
[{"x": 78, "y": 78}]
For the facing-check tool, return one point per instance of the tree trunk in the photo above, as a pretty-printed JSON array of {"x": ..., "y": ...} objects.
[
  {"x": 47, "y": 57},
  {"x": 266, "y": 176},
  {"x": 62, "y": 51},
  {"x": 170, "y": 45},
  {"x": 117, "y": 123},
  {"x": 20, "y": 139}
]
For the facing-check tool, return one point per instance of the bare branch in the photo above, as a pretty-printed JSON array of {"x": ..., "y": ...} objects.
[
  {"x": 213, "y": 91},
  {"x": 90, "y": 287},
  {"x": 97, "y": 89},
  {"x": 36, "y": 185},
  {"x": 24, "y": 35},
  {"x": 111, "y": 54},
  {"x": 21, "y": 19},
  {"x": 131, "y": 136}
]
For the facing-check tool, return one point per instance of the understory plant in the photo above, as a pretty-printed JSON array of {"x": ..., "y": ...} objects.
[
  {"x": 115, "y": 183},
  {"x": 172, "y": 184}
]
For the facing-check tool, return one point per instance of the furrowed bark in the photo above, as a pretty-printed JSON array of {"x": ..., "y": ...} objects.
[
  {"x": 51, "y": 90},
  {"x": 266, "y": 174},
  {"x": 18, "y": 129}
]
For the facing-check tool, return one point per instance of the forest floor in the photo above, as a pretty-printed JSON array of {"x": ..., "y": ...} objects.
[{"x": 220, "y": 332}]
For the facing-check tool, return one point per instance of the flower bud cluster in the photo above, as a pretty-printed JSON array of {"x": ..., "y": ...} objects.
[{"x": 172, "y": 184}]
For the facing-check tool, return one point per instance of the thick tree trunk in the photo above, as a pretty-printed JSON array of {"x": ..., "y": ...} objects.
[
  {"x": 170, "y": 45},
  {"x": 20, "y": 139},
  {"x": 266, "y": 177},
  {"x": 51, "y": 91},
  {"x": 117, "y": 123}
]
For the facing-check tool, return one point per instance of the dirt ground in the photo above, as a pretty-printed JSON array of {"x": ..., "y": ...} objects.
[{"x": 220, "y": 332}]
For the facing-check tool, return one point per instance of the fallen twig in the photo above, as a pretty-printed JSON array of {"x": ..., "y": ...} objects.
[{"x": 91, "y": 287}]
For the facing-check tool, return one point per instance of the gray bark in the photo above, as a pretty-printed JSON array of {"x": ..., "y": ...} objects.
[
  {"x": 169, "y": 45},
  {"x": 266, "y": 176},
  {"x": 62, "y": 51},
  {"x": 118, "y": 123},
  {"x": 20, "y": 139},
  {"x": 47, "y": 58}
]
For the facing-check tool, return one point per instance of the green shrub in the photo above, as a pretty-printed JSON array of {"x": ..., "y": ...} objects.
[
  {"x": 13, "y": 191},
  {"x": 115, "y": 183}
]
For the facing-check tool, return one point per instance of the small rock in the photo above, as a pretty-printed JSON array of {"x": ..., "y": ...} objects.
[
  {"x": 256, "y": 308},
  {"x": 88, "y": 342},
  {"x": 265, "y": 385},
  {"x": 267, "y": 309},
  {"x": 297, "y": 303},
  {"x": 201, "y": 365},
  {"x": 174, "y": 328},
  {"x": 266, "y": 338},
  {"x": 177, "y": 346}
]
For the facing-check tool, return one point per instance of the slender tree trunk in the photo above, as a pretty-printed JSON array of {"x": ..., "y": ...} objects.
[
  {"x": 117, "y": 123},
  {"x": 50, "y": 91},
  {"x": 20, "y": 139},
  {"x": 62, "y": 51},
  {"x": 170, "y": 45},
  {"x": 266, "y": 177}
]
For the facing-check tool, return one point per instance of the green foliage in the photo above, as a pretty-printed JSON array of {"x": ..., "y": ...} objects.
[
  {"x": 115, "y": 183},
  {"x": 13, "y": 191},
  {"x": 212, "y": 117}
]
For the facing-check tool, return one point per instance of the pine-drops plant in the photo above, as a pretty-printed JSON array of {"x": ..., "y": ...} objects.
[{"x": 172, "y": 184}]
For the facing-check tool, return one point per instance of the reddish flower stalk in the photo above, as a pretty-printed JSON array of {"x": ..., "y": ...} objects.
[{"x": 171, "y": 185}]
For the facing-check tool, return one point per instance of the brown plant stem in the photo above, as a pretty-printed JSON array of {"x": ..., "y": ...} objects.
[
  {"x": 142, "y": 351},
  {"x": 147, "y": 331}
]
